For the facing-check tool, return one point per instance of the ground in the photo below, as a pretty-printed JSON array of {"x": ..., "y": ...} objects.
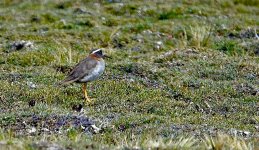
[{"x": 183, "y": 74}]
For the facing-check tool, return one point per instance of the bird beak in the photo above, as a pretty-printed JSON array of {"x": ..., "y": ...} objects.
[{"x": 105, "y": 56}]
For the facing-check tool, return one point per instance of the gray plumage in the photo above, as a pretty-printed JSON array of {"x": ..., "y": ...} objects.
[{"x": 86, "y": 70}]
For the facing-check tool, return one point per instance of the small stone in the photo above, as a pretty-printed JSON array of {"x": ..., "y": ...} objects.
[
  {"x": 82, "y": 11},
  {"x": 32, "y": 130},
  {"x": 31, "y": 85},
  {"x": 131, "y": 80},
  {"x": 250, "y": 76},
  {"x": 45, "y": 129},
  {"x": 136, "y": 48},
  {"x": 246, "y": 133},
  {"x": 96, "y": 129},
  {"x": 18, "y": 45},
  {"x": 147, "y": 32},
  {"x": 157, "y": 47},
  {"x": 233, "y": 131},
  {"x": 63, "y": 21},
  {"x": 159, "y": 43}
]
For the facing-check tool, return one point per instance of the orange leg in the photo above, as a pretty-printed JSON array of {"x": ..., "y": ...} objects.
[{"x": 85, "y": 93}]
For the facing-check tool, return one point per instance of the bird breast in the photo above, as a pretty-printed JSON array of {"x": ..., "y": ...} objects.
[{"x": 95, "y": 72}]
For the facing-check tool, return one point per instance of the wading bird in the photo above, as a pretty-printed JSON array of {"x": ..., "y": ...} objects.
[{"x": 87, "y": 70}]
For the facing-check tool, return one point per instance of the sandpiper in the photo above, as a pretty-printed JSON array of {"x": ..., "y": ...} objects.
[{"x": 87, "y": 70}]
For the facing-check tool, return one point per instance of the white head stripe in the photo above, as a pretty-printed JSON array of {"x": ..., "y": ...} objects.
[{"x": 96, "y": 50}]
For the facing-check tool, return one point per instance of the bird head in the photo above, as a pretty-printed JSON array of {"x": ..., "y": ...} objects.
[{"x": 99, "y": 53}]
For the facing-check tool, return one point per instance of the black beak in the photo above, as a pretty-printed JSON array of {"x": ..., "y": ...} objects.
[{"x": 105, "y": 56}]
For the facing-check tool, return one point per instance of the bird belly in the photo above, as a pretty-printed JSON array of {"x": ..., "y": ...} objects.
[{"x": 95, "y": 73}]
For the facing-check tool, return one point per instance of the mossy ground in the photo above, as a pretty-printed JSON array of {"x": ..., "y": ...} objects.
[{"x": 181, "y": 73}]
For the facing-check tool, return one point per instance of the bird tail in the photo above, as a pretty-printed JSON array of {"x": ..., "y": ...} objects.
[{"x": 68, "y": 80}]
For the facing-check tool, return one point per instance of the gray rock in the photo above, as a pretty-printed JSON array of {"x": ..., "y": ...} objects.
[{"x": 19, "y": 45}]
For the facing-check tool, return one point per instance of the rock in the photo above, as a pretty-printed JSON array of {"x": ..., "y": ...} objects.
[
  {"x": 233, "y": 131},
  {"x": 31, "y": 85},
  {"x": 32, "y": 130},
  {"x": 19, "y": 45},
  {"x": 96, "y": 129},
  {"x": 250, "y": 76},
  {"x": 249, "y": 33},
  {"x": 147, "y": 32},
  {"x": 246, "y": 133},
  {"x": 138, "y": 38},
  {"x": 240, "y": 133},
  {"x": 158, "y": 45},
  {"x": 82, "y": 11},
  {"x": 136, "y": 48}
]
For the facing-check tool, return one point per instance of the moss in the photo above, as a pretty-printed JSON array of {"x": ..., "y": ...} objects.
[
  {"x": 172, "y": 14},
  {"x": 247, "y": 2},
  {"x": 229, "y": 47}
]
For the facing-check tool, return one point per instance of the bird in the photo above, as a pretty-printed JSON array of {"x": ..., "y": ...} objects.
[{"x": 88, "y": 69}]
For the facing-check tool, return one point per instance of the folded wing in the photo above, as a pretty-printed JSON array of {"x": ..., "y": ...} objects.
[{"x": 81, "y": 70}]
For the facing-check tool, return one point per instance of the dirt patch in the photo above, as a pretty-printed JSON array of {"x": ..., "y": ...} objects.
[
  {"x": 246, "y": 89},
  {"x": 37, "y": 124},
  {"x": 13, "y": 77}
]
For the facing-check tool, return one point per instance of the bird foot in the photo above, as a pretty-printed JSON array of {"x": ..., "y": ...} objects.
[{"x": 89, "y": 101}]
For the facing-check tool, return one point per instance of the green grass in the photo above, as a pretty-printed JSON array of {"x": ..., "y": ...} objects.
[{"x": 183, "y": 74}]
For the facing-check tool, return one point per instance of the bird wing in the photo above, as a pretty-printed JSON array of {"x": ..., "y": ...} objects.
[{"x": 80, "y": 70}]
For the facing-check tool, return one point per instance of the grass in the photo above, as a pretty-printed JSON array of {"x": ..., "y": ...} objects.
[{"x": 183, "y": 75}]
